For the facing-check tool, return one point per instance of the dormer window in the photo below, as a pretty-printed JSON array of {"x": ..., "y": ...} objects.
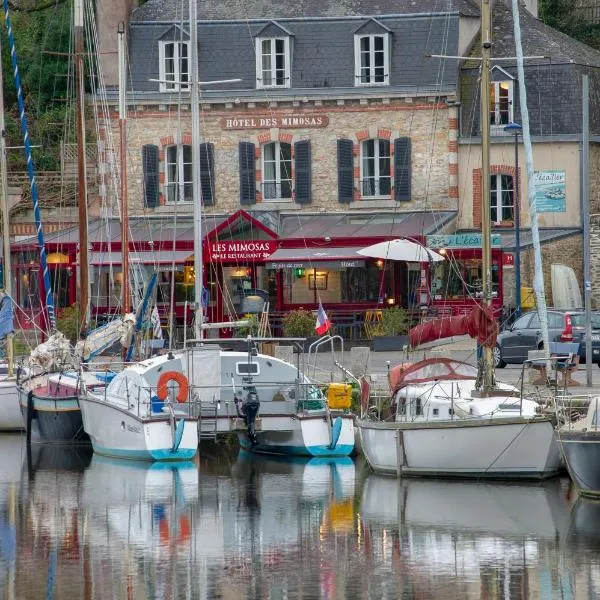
[
  {"x": 372, "y": 59},
  {"x": 273, "y": 62},
  {"x": 501, "y": 103},
  {"x": 174, "y": 66}
]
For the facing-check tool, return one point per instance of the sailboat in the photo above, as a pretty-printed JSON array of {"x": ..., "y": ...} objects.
[
  {"x": 49, "y": 389},
  {"x": 270, "y": 403},
  {"x": 448, "y": 419},
  {"x": 10, "y": 415}
]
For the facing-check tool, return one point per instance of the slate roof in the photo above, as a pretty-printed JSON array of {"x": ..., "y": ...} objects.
[
  {"x": 232, "y": 10},
  {"x": 537, "y": 39}
]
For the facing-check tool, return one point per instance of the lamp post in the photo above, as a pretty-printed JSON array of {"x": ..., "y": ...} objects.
[{"x": 516, "y": 129}]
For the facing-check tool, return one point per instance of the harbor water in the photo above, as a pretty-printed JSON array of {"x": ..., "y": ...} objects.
[{"x": 236, "y": 526}]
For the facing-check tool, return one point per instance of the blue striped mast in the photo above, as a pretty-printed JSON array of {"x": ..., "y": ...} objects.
[{"x": 30, "y": 170}]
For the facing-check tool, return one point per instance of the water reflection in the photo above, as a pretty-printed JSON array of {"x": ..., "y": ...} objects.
[{"x": 76, "y": 526}]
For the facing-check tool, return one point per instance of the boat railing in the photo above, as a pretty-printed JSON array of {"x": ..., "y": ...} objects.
[{"x": 571, "y": 408}]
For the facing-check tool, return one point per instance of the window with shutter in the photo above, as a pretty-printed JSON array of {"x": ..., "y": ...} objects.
[
  {"x": 277, "y": 171},
  {"x": 178, "y": 173},
  {"x": 207, "y": 174},
  {"x": 303, "y": 172},
  {"x": 247, "y": 173},
  {"x": 402, "y": 169},
  {"x": 345, "y": 159},
  {"x": 150, "y": 169},
  {"x": 375, "y": 179}
]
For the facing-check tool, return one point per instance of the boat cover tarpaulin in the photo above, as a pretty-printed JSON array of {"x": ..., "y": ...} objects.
[
  {"x": 430, "y": 369},
  {"x": 480, "y": 324}
]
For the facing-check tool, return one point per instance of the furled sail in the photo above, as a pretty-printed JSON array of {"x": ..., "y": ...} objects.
[{"x": 480, "y": 324}]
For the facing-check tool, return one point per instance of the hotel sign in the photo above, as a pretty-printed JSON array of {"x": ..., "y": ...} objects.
[
  {"x": 291, "y": 121},
  {"x": 460, "y": 240},
  {"x": 239, "y": 250},
  {"x": 316, "y": 264}
]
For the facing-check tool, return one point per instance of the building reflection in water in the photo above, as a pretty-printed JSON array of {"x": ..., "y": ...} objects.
[{"x": 80, "y": 526}]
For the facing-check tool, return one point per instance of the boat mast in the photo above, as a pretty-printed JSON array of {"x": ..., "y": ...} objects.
[
  {"x": 30, "y": 171},
  {"x": 196, "y": 196},
  {"x": 7, "y": 283},
  {"x": 124, "y": 209},
  {"x": 84, "y": 282},
  {"x": 486, "y": 378}
]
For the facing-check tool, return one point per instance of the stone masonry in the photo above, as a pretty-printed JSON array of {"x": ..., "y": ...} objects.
[{"x": 430, "y": 125}]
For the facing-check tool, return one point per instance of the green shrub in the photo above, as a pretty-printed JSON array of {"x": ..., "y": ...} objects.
[
  {"x": 394, "y": 321},
  {"x": 299, "y": 323},
  {"x": 69, "y": 322},
  {"x": 251, "y": 328}
]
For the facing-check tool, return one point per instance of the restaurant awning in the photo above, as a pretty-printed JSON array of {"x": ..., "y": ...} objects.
[
  {"x": 144, "y": 258},
  {"x": 323, "y": 258}
]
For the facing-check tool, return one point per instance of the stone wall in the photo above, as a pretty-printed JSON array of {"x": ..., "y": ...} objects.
[
  {"x": 430, "y": 125},
  {"x": 567, "y": 251}
]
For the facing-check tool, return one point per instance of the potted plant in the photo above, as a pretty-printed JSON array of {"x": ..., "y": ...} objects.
[
  {"x": 300, "y": 323},
  {"x": 389, "y": 334}
]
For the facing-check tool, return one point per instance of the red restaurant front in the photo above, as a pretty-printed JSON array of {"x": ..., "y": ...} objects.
[{"x": 248, "y": 261}]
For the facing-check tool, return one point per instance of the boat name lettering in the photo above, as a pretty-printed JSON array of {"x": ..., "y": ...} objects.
[
  {"x": 134, "y": 429},
  {"x": 276, "y": 121}
]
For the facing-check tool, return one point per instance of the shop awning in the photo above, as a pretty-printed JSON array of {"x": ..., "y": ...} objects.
[
  {"x": 323, "y": 258},
  {"x": 144, "y": 258}
]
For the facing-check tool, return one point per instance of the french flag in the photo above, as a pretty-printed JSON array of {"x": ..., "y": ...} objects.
[{"x": 323, "y": 325}]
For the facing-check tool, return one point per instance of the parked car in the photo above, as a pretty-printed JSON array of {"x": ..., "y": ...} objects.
[{"x": 525, "y": 334}]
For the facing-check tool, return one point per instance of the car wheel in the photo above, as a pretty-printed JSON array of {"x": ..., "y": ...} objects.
[{"x": 498, "y": 362}]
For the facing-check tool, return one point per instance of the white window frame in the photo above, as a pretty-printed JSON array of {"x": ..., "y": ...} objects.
[
  {"x": 176, "y": 86},
  {"x": 495, "y": 85},
  {"x": 496, "y": 186},
  {"x": 273, "y": 70},
  {"x": 377, "y": 176},
  {"x": 255, "y": 369},
  {"x": 358, "y": 63},
  {"x": 278, "y": 175},
  {"x": 180, "y": 174}
]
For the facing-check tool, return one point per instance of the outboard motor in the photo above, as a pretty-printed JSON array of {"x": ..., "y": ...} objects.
[{"x": 250, "y": 409}]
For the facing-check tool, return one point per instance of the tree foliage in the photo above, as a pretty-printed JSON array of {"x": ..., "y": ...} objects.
[
  {"x": 561, "y": 15},
  {"x": 42, "y": 33}
]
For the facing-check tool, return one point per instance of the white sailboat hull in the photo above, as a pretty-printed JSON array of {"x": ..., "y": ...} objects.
[
  {"x": 117, "y": 432},
  {"x": 299, "y": 435},
  {"x": 10, "y": 411},
  {"x": 503, "y": 448}
]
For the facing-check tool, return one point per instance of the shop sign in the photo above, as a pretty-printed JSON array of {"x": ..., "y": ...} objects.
[
  {"x": 317, "y": 264},
  {"x": 242, "y": 251},
  {"x": 550, "y": 192},
  {"x": 460, "y": 240},
  {"x": 508, "y": 260},
  {"x": 291, "y": 121}
]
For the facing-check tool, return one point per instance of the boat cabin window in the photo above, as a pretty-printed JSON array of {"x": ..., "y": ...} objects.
[
  {"x": 450, "y": 411},
  {"x": 246, "y": 368},
  {"x": 418, "y": 407},
  {"x": 595, "y": 419},
  {"x": 436, "y": 412}
]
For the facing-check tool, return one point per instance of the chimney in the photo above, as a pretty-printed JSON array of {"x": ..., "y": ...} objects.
[{"x": 109, "y": 13}]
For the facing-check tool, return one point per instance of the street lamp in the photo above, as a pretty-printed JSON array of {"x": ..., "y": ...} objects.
[{"x": 516, "y": 129}]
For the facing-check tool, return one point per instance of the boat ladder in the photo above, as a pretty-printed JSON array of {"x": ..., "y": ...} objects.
[{"x": 207, "y": 420}]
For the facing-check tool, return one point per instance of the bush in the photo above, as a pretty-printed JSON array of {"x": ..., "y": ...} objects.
[
  {"x": 299, "y": 323},
  {"x": 394, "y": 321},
  {"x": 251, "y": 328},
  {"x": 69, "y": 322}
]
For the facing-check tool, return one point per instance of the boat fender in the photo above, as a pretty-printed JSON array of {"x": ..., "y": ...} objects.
[
  {"x": 162, "y": 387},
  {"x": 250, "y": 408},
  {"x": 336, "y": 429}
]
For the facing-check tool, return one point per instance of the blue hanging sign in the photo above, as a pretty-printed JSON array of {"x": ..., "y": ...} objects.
[{"x": 550, "y": 191}]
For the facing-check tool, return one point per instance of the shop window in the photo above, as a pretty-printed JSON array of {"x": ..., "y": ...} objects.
[
  {"x": 277, "y": 171},
  {"x": 273, "y": 62},
  {"x": 501, "y": 102},
  {"x": 367, "y": 284},
  {"x": 59, "y": 281},
  {"x": 375, "y": 173},
  {"x": 461, "y": 279},
  {"x": 372, "y": 57},
  {"x": 502, "y": 202},
  {"x": 178, "y": 173},
  {"x": 174, "y": 66}
]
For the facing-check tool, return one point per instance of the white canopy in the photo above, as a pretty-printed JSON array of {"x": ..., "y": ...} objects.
[{"x": 401, "y": 249}]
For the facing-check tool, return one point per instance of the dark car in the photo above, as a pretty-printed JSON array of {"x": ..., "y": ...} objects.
[{"x": 525, "y": 334}]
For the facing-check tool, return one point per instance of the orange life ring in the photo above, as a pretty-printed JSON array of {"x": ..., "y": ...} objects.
[{"x": 162, "y": 389}]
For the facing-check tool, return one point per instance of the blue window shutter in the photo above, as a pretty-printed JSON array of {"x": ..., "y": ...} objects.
[
  {"x": 402, "y": 169},
  {"x": 345, "y": 158},
  {"x": 247, "y": 173},
  {"x": 303, "y": 172},
  {"x": 151, "y": 181},
  {"x": 207, "y": 174}
]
